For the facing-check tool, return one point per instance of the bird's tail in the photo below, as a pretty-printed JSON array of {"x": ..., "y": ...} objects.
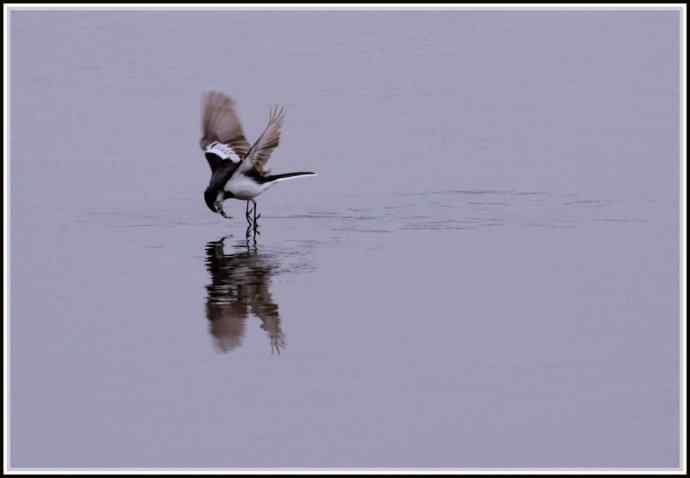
[{"x": 272, "y": 178}]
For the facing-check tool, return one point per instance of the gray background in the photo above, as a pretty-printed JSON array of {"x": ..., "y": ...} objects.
[{"x": 484, "y": 274}]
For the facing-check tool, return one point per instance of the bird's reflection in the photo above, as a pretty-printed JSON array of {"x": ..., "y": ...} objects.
[{"x": 240, "y": 287}]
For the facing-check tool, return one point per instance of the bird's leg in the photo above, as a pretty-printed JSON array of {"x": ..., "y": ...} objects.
[
  {"x": 246, "y": 214},
  {"x": 251, "y": 245},
  {"x": 256, "y": 224}
]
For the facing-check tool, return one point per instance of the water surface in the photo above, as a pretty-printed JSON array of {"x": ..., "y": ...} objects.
[{"x": 484, "y": 273}]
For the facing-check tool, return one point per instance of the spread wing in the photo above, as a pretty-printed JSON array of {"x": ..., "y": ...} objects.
[
  {"x": 222, "y": 136},
  {"x": 261, "y": 150}
]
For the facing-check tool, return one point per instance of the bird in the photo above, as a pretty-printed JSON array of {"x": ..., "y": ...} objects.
[{"x": 238, "y": 170}]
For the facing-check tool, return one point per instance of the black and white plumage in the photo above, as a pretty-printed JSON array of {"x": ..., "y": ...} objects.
[{"x": 237, "y": 170}]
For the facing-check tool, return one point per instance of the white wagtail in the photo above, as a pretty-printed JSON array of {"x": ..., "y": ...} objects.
[{"x": 237, "y": 170}]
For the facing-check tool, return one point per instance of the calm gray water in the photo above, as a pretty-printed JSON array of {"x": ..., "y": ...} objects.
[{"x": 484, "y": 273}]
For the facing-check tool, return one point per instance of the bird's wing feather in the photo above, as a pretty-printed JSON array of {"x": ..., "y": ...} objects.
[
  {"x": 261, "y": 150},
  {"x": 222, "y": 136}
]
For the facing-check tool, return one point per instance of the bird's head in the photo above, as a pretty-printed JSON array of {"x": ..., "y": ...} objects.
[{"x": 210, "y": 199}]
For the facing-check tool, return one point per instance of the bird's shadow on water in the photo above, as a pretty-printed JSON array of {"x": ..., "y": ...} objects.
[{"x": 240, "y": 288}]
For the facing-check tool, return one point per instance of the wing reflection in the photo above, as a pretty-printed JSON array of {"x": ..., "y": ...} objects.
[{"x": 240, "y": 287}]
